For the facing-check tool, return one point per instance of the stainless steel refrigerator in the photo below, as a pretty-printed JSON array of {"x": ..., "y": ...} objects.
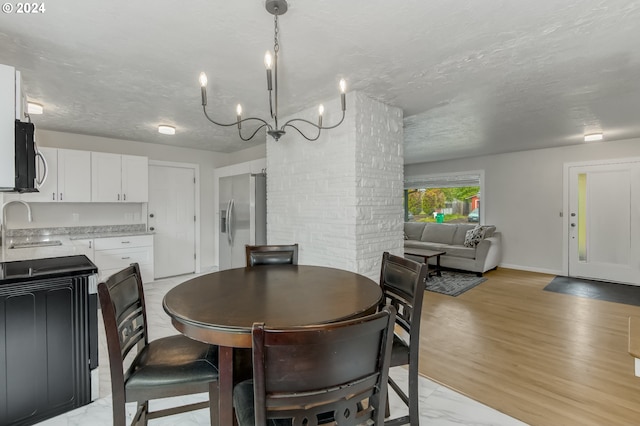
[{"x": 243, "y": 217}]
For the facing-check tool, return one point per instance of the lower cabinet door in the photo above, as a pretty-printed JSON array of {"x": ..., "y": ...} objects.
[{"x": 43, "y": 369}]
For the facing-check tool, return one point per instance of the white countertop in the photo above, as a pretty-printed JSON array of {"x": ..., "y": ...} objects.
[{"x": 67, "y": 246}]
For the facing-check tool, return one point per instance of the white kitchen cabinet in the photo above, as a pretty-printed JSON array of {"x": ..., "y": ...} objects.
[
  {"x": 12, "y": 103},
  {"x": 68, "y": 177},
  {"x": 84, "y": 247},
  {"x": 7, "y": 126},
  {"x": 115, "y": 253},
  {"x": 119, "y": 178}
]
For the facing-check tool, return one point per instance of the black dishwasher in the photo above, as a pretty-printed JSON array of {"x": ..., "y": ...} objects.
[{"x": 48, "y": 338}]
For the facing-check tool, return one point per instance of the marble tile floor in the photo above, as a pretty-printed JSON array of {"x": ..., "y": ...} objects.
[{"x": 439, "y": 405}]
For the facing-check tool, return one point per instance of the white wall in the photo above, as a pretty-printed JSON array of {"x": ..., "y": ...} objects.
[
  {"x": 339, "y": 197},
  {"x": 523, "y": 197},
  {"x": 207, "y": 161}
]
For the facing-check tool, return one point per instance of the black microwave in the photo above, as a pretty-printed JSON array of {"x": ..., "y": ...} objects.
[{"x": 25, "y": 162}]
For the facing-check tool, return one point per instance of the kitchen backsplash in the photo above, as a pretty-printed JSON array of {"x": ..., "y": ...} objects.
[
  {"x": 58, "y": 215},
  {"x": 77, "y": 230}
]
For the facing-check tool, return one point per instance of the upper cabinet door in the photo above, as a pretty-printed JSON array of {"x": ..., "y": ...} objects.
[
  {"x": 74, "y": 176},
  {"x": 135, "y": 179},
  {"x": 106, "y": 177},
  {"x": 68, "y": 177}
]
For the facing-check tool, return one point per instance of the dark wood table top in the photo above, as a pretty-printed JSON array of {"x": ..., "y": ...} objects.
[{"x": 221, "y": 307}]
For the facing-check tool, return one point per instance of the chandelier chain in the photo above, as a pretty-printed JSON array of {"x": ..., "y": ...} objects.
[
  {"x": 276, "y": 31},
  {"x": 275, "y": 7}
]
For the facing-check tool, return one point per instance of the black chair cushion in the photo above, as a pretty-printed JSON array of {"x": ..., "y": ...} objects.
[
  {"x": 399, "y": 352},
  {"x": 165, "y": 364},
  {"x": 244, "y": 405}
]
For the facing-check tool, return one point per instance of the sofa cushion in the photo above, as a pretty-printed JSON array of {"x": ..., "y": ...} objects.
[
  {"x": 413, "y": 230},
  {"x": 461, "y": 233},
  {"x": 461, "y": 251},
  {"x": 438, "y": 233},
  {"x": 423, "y": 245},
  {"x": 474, "y": 236},
  {"x": 489, "y": 230}
]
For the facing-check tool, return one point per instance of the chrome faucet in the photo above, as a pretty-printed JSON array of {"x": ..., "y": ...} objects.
[{"x": 3, "y": 226}]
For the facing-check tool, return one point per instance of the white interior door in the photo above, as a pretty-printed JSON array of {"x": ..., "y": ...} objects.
[
  {"x": 604, "y": 222},
  {"x": 172, "y": 217}
]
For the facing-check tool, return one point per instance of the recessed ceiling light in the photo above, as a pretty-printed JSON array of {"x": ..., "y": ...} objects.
[
  {"x": 593, "y": 137},
  {"x": 167, "y": 130},
  {"x": 34, "y": 108}
]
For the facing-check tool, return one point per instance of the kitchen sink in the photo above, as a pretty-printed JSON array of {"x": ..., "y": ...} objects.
[{"x": 33, "y": 244}]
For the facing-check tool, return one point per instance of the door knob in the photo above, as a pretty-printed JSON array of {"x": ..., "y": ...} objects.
[
  {"x": 150, "y": 214},
  {"x": 573, "y": 225}
]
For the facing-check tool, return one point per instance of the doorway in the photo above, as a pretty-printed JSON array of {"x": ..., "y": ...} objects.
[
  {"x": 172, "y": 216},
  {"x": 604, "y": 221}
]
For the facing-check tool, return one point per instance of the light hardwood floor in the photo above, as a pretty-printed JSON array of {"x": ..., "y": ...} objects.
[{"x": 544, "y": 358}]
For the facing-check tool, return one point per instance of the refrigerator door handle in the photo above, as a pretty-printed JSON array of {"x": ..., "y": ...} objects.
[{"x": 230, "y": 222}]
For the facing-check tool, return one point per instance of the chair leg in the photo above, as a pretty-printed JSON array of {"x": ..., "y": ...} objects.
[
  {"x": 214, "y": 400},
  {"x": 140, "y": 417},
  {"x": 414, "y": 412},
  {"x": 387, "y": 409}
]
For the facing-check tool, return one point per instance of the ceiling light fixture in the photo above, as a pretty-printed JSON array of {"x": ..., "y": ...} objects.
[
  {"x": 166, "y": 130},
  {"x": 276, "y": 8},
  {"x": 592, "y": 137},
  {"x": 34, "y": 108}
]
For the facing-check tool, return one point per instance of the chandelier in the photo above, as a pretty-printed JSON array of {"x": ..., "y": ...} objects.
[{"x": 276, "y": 8}]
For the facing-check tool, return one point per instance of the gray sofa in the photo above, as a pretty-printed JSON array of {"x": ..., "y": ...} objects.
[{"x": 450, "y": 238}]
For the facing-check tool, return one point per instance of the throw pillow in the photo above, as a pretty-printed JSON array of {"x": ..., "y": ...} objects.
[{"x": 473, "y": 236}]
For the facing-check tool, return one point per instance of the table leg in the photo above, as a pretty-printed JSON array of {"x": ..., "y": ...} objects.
[
  {"x": 426, "y": 262},
  {"x": 225, "y": 370},
  {"x": 438, "y": 271}
]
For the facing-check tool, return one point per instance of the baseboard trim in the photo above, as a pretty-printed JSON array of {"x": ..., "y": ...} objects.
[{"x": 531, "y": 269}]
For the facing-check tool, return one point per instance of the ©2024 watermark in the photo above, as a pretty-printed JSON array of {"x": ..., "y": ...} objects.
[{"x": 23, "y": 8}]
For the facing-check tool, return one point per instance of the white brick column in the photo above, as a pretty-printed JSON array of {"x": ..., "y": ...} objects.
[{"x": 340, "y": 197}]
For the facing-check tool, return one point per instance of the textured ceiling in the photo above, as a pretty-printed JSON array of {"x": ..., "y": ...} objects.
[{"x": 472, "y": 78}]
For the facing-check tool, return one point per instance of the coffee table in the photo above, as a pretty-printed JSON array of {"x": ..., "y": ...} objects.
[{"x": 426, "y": 254}]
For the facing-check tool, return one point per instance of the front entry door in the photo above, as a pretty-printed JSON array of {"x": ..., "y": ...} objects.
[{"x": 604, "y": 222}]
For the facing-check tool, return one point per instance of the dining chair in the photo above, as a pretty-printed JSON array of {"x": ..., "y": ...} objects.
[
  {"x": 403, "y": 285},
  {"x": 333, "y": 373},
  {"x": 170, "y": 366},
  {"x": 272, "y": 255}
]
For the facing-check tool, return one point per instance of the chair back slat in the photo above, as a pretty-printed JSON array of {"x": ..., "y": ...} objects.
[
  {"x": 130, "y": 330},
  {"x": 402, "y": 282},
  {"x": 338, "y": 370},
  {"x": 272, "y": 255},
  {"x": 123, "y": 310}
]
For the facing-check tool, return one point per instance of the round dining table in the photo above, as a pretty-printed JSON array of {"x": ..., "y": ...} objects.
[{"x": 220, "y": 308}]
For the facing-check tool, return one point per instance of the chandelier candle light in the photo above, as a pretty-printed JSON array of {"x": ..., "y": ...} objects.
[{"x": 276, "y": 8}]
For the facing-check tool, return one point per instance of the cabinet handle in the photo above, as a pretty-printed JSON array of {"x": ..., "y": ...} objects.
[
  {"x": 125, "y": 258},
  {"x": 118, "y": 197},
  {"x": 126, "y": 242},
  {"x": 53, "y": 196},
  {"x": 61, "y": 196},
  {"x": 124, "y": 197},
  {"x": 90, "y": 244}
]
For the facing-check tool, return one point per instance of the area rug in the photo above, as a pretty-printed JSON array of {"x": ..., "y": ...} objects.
[
  {"x": 610, "y": 292},
  {"x": 453, "y": 283}
]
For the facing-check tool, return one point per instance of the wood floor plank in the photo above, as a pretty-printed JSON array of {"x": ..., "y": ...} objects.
[{"x": 544, "y": 358}]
